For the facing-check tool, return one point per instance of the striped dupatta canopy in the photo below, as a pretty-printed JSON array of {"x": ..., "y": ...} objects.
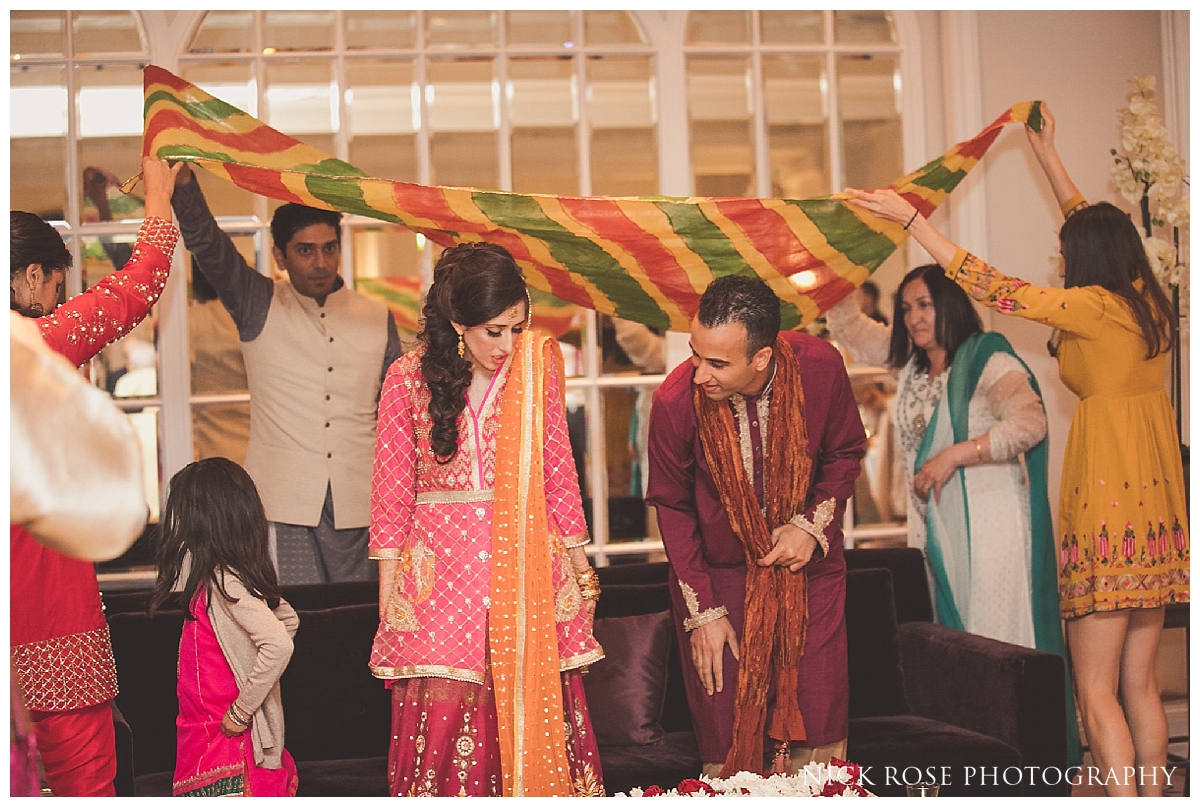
[{"x": 645, "y": 259}]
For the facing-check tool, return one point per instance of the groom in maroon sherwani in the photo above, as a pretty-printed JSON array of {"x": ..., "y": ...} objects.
[{"x": 754, "y": 447}]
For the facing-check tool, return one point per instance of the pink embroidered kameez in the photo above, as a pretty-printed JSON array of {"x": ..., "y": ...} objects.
[{"x": 436, "y": 520}]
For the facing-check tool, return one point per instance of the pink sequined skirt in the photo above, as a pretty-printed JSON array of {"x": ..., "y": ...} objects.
[{"x": 445, "y": 740}]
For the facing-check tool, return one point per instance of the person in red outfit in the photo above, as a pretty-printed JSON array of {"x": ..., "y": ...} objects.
[
  {"x": 59, "y": 644},
  {"x": 755, "y": 443}
]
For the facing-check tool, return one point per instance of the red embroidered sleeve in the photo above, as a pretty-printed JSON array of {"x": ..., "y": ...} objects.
[{"x": 84, "y": 325}]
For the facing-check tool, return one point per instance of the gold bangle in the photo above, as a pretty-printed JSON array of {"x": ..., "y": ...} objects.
[
  {"x": 240, "y": 712},
  {"x": 589, "y": 584},
  {"x": 979, "y": 450},
  {"x": 237, "y": 718}
]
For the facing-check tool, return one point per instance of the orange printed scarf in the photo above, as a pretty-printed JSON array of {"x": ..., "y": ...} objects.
[
  {"x": 522, "y": 637},
  {"x": 776, "y": 624}
]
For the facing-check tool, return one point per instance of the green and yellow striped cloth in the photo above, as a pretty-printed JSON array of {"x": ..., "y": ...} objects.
[{"x": 646, "y": 259}]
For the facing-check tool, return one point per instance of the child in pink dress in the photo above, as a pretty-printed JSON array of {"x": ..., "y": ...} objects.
[{"x": 237, "y": 637}]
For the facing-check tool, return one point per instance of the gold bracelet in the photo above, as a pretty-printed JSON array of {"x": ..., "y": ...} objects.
[
  {"x": 979, "y": 450},
  {"x": 239, "y": 716},
  {"x": 589, "y": 584}
]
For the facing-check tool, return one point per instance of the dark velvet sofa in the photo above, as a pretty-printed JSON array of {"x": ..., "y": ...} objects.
[{"x": 921, "y": 696}]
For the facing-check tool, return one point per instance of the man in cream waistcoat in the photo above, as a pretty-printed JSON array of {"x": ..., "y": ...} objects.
[{"x": 316, "y": 354}]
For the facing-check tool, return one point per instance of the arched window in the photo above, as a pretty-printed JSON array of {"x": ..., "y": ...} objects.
[{"x": 792, "y": 103}]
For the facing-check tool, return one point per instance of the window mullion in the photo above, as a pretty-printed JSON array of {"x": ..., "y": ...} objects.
[
  {"x": 500, "y": 84},
  {"x": 71, "y": 163},
  {"x": 837, "y": 168}
]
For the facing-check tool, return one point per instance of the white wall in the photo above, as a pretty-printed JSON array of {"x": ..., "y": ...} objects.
[{"x": 1078, "y": 62}]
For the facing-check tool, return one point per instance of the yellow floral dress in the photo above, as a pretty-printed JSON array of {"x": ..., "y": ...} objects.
[{"x": 1122, "y": 520}]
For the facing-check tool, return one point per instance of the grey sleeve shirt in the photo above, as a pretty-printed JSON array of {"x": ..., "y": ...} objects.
[{"x": 245, "y": 293}]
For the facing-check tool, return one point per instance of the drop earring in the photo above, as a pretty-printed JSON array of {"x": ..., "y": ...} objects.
[{"x": 462, "y": 348}]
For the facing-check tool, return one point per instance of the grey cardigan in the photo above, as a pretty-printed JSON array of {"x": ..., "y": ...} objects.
[{"x": 257, "y": 643}]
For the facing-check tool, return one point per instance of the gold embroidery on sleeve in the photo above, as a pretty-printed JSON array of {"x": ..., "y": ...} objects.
[
  {"x": 822, "y": 517},
  {"x": 693, "y": 605}
]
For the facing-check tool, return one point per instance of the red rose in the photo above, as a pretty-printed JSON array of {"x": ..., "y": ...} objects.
[
  {"x": 690, "y": 786},
  {"x": 653, "y": 790},
  {"x": 853, "y": 770},
  {"x": 833, "y": 788}
]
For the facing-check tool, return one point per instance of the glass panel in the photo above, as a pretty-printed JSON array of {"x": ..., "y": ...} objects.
[
  {"x": 570, "y": 336},
  {"x": 630, "y": 348},
  {"x": 611, "y": 28},
  {"x": 622, "y": 111},
  {"x": 880, "y": 493},
  {"x": 577, "y": 432},
  {"x": 106, "y": 32},
  {"x": 544, "y": 111},
  {"x": 863, "y": 27},
  {"x": 718, "y": 27},
  {"x": 387, "y": 264},
  {"x": 463, "y": 121},
  {"x": 624, "y": 162},
  {"x": 791, "y": 27},
  {"x": 128, "y": 367},
  {"x": 626, "y": 414},
  {"x": 301, "y": 97},
  {"x": 37, "y": 143},
  {"x": 460, "y": 29},
  {"x": 37, "y": 33},
  {"x": 869, "y": 102},
  {"x": 797, "y": 134},
  {"x": 297, "y": 30},
  {"x": 219, "y": 428},
  {"x": 545, "y": 161},
  {"x": 110, "y": 120},
  {"x": 225, "y": 32},
  {"x": 145, "y": 423},
  {"x": 232, "y": 82},
  {"x": 541, "y": 27},
  {"x": 382, "y": 119},
  {"x": 887, "y": 279},
  {"x": 722, "y": 126},
  {"x": 390, "y": 30}
]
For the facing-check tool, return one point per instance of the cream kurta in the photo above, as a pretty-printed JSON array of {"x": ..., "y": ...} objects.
[{"x": 991, "y": 578}]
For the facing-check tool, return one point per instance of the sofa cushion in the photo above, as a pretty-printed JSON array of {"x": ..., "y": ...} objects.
[
  {"x": 897, "y": 750},
  {"x": 147, "y": 653},
  {"x": 909, "y": 580},
  {"x": 873, "y": 645},
  {"x": 328, "y": 684},
  {"x": 626, "y": 689},
  {"x": 667, "y": 762}
]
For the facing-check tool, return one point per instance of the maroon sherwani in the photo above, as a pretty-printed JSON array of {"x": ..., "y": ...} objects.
[{"x": 708, "y": 570}]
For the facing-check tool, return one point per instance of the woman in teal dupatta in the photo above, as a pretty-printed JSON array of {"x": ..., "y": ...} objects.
[{"x": 970, "y": 420}]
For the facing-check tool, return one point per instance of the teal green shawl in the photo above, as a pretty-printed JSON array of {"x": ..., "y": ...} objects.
[{"x": 969, "y": 360}]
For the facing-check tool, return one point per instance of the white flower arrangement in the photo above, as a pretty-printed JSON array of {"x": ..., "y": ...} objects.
[
  {"x": 815, "y": 779},
  {"x": 1149, "y": 172}
]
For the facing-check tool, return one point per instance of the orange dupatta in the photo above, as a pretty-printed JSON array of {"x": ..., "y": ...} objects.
[{"x": 522, "y": 636}]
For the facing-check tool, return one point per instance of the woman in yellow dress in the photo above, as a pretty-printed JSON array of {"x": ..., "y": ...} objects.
[{"x": 1123, "y": 529}]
